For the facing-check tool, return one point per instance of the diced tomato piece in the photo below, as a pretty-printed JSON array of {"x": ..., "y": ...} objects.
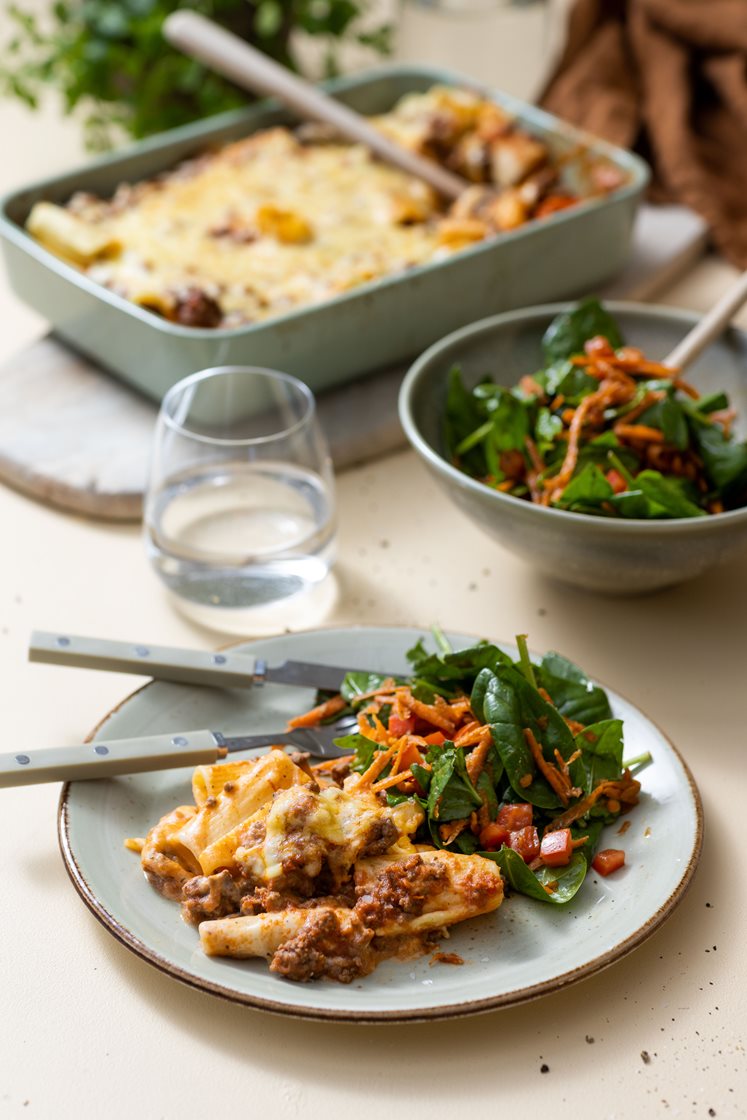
[
  {"x": 556, "y": 848},
  {"x": 401, "y": 725},
  {"x": 435, "y": 739},
  {"x": 608, "y": 860},
  {"x": 616, "y": 481},
  {"x": 493, "y": 837},
  {"x": 515, "y": 816},
  {"x": 525, "y": 841},
  {"x": 409, "y": 755}
]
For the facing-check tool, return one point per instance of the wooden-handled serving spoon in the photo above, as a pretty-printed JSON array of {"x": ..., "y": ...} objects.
[{"x": 232, "y": 57}]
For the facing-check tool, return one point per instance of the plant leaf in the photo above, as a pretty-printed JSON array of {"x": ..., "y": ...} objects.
[
  {"x": 565, "y": 880},
  {"x": 569, "y": 331},
  {"x": 601, "y": 756}
]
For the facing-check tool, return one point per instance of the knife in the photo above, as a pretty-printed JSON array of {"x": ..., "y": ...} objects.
[
  {"x": 105, "y": 758},
  {"x": 185, "y": 666}
]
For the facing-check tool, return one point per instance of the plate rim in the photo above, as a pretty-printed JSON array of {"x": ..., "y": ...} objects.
[{"x": 511, "y": 998}]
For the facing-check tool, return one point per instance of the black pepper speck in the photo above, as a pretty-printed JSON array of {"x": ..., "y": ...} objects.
[
  {"x": 544, "y": 1068},
  {"x": 646, "y": 1057}
]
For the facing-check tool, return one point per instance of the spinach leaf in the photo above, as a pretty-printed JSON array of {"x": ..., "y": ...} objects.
[
  {"x": 569, "y": 331},
  {"x": 564, "y": 378},
  {"x": 421, "y": 776},
  {"x": 477, "y": 696},
  {"x": 711, "y": 402},
  {"x": 565, "y": 880},
  {"x": 574, "y": 695},
  {"x": 509, "y": 421},
  {"x": 589, "y": 488},
  {"x": 634, "y": 504},
  {"x": 451, "y": 795},
  {"x": 599, "y": 449},
  {"x": 546, "y": 428},
  {"x": 725, "y": 461},
  {"x": 510, "y": 704},
  {"x": 361, "y": 747},
  {"x": 462, "y": 415},
  {"x": 359, "y": 683},
  {"x": 460, "y": 667},
  {"x": 669, "y": 494},
  {"x": 601, "y": 746},
  {"x": 669, "y": 416}
]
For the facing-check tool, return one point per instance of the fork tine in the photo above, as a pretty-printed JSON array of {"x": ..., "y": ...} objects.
[{"x": 319, "y": 741}]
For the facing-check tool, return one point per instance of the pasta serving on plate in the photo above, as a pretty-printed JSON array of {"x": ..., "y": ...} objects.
[{"x": 276, "y": 860}]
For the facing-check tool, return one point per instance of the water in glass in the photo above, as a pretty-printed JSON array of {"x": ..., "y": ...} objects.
[{"x": 242, "y": 530}]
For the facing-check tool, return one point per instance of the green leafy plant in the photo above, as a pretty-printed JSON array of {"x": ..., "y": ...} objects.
[{"x": 109, "y": 59}]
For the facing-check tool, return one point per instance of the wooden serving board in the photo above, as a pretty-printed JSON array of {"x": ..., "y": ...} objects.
[{"x": 74, "y": 437}]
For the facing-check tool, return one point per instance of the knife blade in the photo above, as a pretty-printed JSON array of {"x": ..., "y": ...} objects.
[{"x": 225, "y": 669}]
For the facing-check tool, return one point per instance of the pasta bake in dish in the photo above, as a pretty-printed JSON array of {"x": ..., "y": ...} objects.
[{"x": 282, "y": 219}]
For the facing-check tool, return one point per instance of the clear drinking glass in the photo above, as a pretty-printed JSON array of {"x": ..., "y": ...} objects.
[{"x": 240, "y": 509}]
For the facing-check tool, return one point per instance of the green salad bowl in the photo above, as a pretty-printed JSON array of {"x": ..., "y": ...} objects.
[{"x": 600, "y": 554}]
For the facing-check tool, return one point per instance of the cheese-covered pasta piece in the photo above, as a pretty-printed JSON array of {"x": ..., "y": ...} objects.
[
  {"x": 208, "y": 781},
  {"x": 69, "y": 236},
  {"x": 308, "y": 831},
  {"x": 240, "y": 799}
]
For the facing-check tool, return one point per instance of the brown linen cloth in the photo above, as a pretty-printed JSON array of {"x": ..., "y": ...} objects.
[{"x": 669, "y": 79}]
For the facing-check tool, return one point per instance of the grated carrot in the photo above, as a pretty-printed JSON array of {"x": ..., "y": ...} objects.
[
  {"x": 557, "y": 781},
  {"x": 476, "y": 758},
  {"x": 321, "y": 712},
  {"x": 392, "y": 780},
  {"x": 378, "y": 764},
  {"x": 330, "y": 763},
  {"x": 639, "y": 433}
]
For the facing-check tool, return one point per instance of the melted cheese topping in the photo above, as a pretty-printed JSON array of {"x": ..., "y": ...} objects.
[
  {"x": 269, "y": 224},
  {"x": 334, "y": 227},
  {"x": 310, "y": 827}
]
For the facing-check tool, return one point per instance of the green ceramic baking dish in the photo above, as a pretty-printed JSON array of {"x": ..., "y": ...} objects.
[{"x": 371, "y": 327}]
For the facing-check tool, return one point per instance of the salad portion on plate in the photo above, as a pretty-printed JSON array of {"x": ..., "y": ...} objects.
[{"x": 453, "y": 806}]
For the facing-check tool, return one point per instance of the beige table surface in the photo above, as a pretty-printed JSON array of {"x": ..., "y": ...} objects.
[{"x": 88, "y": 1029}]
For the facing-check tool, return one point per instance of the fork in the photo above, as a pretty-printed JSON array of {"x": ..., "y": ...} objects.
[{"x": 104, "y": 758}]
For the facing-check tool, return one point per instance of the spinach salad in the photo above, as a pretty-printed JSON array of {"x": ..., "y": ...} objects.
[
  {"x": 599, "y": 430},
  {"x": 517, "y": 761}
]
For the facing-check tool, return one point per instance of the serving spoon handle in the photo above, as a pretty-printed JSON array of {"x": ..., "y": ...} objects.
[
  {"x": 232, "y": 57},
  {"x": 710, "y": 326}
]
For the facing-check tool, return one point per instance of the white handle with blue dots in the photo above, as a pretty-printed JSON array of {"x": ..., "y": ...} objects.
[
  {"x": 105, "y": 758},
  {"x": 185, "y": 666}
]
